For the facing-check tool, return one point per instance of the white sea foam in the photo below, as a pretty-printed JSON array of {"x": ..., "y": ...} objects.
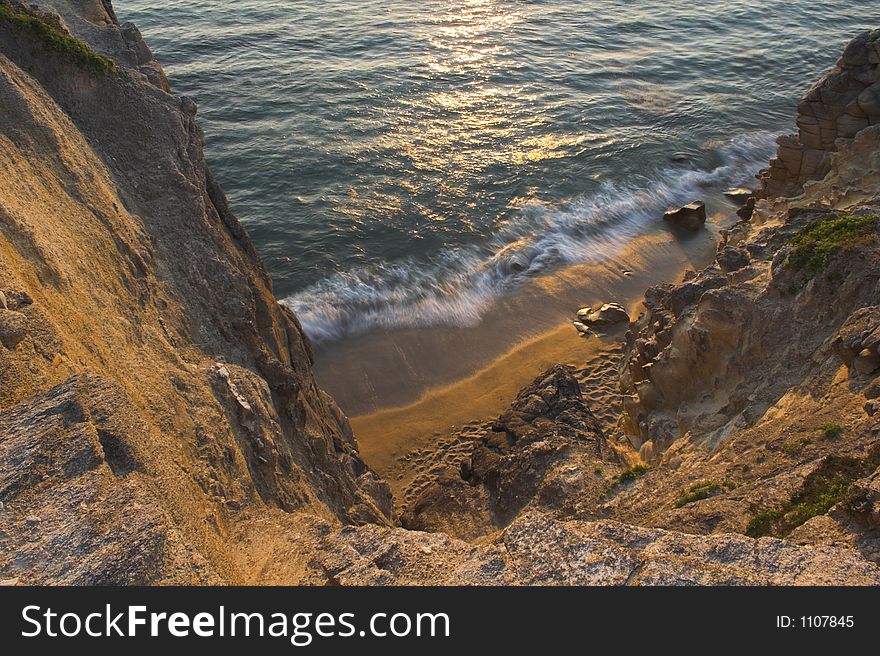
[{"x": 457, "y": 286}]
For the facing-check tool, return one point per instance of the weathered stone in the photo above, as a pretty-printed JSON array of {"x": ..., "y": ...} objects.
[
  {"x": 866, "y": 362},
  {"x": 863, "y": 498},
  {"x": 143, "y": 277},
  {"x": 13, "y": 328},
  {"x": 841, "y": 105},
  {"x": 541, "y": 453},
  {"x": 607, "y": 315},
  {"x": 732, "y": 259},
  {"x": 582, "y": 328},
  {"x": 739, "y": 195},
  {"x": 538, "y": 549},
  {"x": 860, "y": 331},
  {"x": 223, "y": 462},
  {"x": 689, "y": 217}
]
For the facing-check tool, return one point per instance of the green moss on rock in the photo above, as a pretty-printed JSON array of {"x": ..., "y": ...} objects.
[
  {"x": 64, "y": 45},
  {"x": 697, "y": 492},
  {"x": 815, "y": 244},
  {"x": 817, "y": 498}
]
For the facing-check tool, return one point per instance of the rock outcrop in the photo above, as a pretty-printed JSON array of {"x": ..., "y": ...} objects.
[
  {"x": 839, "y": 106},
  {"x": 750, "y": 389},
  {"x": 547, "y": 452},
  {"x": 689, "y": 217},
  {"x": 538, "y": 550},
  {"x": 134, "y": 300}
]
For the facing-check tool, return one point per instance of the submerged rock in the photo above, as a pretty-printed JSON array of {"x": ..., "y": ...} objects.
[
  {"x": 689, "y": 217},
  {"x": 739, "y": 195}
]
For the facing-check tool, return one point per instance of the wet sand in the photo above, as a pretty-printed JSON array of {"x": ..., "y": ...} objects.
[{"x": 407, "y": 389}]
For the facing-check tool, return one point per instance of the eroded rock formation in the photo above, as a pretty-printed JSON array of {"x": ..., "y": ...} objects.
[{"x": 839, "y": 106}]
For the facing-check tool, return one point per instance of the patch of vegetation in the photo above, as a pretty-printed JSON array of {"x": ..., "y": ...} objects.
[
  {"x": 817, "y": 498},
  {"x": 597, "y": 470},
  {"x": 795, "y": 446},
  {"x": 830, "y": 431},
  {"x": 55, "y": 40},
  {"x": 815, "y": 244},
  {"x": 629, "y": 475},
  {"x": 697, "y": 492}
]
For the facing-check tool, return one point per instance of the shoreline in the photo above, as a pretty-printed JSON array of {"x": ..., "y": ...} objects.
[{"x": 388, "y": 434}]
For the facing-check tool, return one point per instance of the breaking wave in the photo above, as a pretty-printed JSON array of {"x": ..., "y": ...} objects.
[{"x": 457, "y": 286}]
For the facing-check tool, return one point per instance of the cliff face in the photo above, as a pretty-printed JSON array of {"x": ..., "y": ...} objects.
[
  {"x": 153, "y": 392},
  {"x": 750, "y": 389},
  {"x": 838, "y": 107},
  {"x": 159, "y": 421}
]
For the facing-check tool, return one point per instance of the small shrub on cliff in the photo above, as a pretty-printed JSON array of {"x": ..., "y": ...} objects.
[
  {"x": 629, "y": 475},
  {"x": 55, "y": 40},
  {"x": 697, "y": 492},
  {"x": 761, "y": 523},
  {"x": 830, "y": 431},
  {"x": 795, "y": 446},
  {"x": 817, "y": 498},
  {"x": 815, "y": 244}
]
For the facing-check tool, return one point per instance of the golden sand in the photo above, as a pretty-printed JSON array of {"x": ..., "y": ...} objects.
[{"x": 407, "y": 389}]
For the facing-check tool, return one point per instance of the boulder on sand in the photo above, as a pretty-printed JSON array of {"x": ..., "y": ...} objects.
[
  {"x": 582, "y": 328},
  {"x": 607, "y": 315},
  {"x": 690, "y": 217}
]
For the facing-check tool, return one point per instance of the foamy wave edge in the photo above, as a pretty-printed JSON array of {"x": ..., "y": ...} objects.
[{"x": 456, "y": 287}]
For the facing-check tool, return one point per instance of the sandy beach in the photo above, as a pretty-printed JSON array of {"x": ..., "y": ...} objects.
[{"x": 406, "y": 390}]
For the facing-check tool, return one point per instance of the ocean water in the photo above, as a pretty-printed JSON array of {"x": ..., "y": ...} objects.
[{"x": 405, "y": 164}]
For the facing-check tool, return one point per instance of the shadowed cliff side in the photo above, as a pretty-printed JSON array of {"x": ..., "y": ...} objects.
[{"x": 153, "y": 392}]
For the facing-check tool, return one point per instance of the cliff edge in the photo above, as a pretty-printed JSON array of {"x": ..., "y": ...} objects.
[{"x": 154, "y": 394}]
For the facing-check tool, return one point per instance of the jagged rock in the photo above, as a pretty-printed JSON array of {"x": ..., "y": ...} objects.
[
  {"x": 689, "y": 217},
  {"x": 140, "y": 274},
  {"x": 839, "y": 106},
  {"x": 607, "y": 315},
  {"x": 75, "y": 509},
  {"x": 221, "y": 461},
  {"x": 859, "y": 338},
  {"x": 733, "y": 259},
  {"x": 537, "y": 549},
  {"x": 863, "y": 499},
  {"x": 739, "y": 195},
  {"x": 866, "y": 362},
  {"x": 542, "y": 452}
]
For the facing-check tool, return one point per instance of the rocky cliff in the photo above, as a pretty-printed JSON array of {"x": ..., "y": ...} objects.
[
  {"x": 153, "y": 391},
  {"x": 160, "y": 423}
]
